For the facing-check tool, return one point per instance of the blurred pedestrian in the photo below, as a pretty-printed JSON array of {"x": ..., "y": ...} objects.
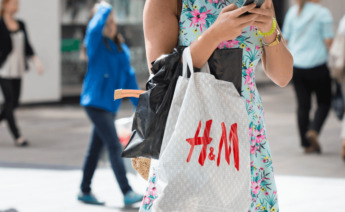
[
  {"x": 15, "y": 50},
  {"x": 309, "y": 31},
  {"x": 337, "y": 67},
  {"x": 108, "y": 69}
]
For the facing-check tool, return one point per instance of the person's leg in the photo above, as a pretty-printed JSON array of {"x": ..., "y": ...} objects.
[
  {"x": 323, "y": 91},
  {"x": 105, "y": 128},
  {"x": 303, "y": 94},
  {"x": 17, "y": 85},
  {"x": 8, "y": 88},
  {"x": 91, "y": 161}
]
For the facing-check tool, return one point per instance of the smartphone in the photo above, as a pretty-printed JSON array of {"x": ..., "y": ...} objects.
[{"x": 258, "y": 3}]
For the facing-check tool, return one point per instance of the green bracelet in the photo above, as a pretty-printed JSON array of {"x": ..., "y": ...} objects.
[{"x": 274, "y": 27}]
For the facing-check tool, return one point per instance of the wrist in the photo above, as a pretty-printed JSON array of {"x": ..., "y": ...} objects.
[
  {"x": 271, "y": 38},
  {"x": 213, "y": 36}
]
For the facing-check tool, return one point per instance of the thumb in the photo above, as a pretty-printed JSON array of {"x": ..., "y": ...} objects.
[{"x": 229, "y": 8}]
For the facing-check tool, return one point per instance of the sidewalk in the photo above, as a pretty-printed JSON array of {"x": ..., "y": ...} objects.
[{"x": 45, "y": 177}]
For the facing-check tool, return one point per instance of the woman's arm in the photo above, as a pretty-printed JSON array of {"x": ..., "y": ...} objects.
[
  {"x": 161, "y": 30},
  {"x": 329, "y": 43},
  {"x": 277, "y": 60},
  {"x": 29, "y": 51},
  {"x": 94, "y": 31}
]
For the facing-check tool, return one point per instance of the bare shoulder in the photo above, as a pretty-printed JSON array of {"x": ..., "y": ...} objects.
[{"x": 162, "y": 6}]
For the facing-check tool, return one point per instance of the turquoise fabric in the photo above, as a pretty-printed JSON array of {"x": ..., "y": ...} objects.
[
  {"x": 196, "y": 17},
  {"x": 108, "y": 69},
  {"x": 306, "y": 34}
]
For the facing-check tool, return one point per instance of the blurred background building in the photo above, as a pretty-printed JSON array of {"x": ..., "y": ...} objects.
[{"x": 56, "y": 29}]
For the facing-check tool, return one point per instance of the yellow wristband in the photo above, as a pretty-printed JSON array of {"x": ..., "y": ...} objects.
[{"x": 274, "y": 27}]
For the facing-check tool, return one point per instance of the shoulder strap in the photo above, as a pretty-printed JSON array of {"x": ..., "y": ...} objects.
[{"x": 308, "y": 23}]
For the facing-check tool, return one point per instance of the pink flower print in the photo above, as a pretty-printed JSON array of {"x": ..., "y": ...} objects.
[
  {"x": 248, "y": 49},
  {"x": 261, "y": 169},
  {"x": 259, "y": 135},
  {"x": 250, "y": 128},
  {"x": 153, "y": 191},
  {"x": 228, "y": 44},
  {"x": 252, "y": 149},
  {"x": 256, "y": 186},
  {"x": 248, "y": 103},
  {"x": 258, "y": 48},
  {"x": 213, "y": 1},
  {"x": 248, "y": 78},
  {"x": 252, "y": 28},
  {"x": 199, "y": 18},
  {"x": 274, "y": 192},
  {"x": 221, "y": 45},
  {"x": 266, "y": 193},
  {"x": 147, "y": 200},
  {"x": 264, "y": 160}
]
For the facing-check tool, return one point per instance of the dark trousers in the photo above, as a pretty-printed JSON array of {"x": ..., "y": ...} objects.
[
  {"x": 103, "y": 135},
  {"x": 11, "y": 92},
  {"x": 308, "y": 81}
]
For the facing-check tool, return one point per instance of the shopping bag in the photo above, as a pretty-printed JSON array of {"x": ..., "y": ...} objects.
[
  {"x": 123, "y": 128},
  {"x": 154, "y": 104},
  {"x": 338, "y": 103},
  {"x": 204, "y": 162}
]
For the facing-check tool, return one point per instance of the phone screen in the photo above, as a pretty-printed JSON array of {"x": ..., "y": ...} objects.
[{"x": 257, "y": 2}]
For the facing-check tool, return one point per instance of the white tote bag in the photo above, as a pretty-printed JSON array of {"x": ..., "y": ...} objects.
[{"x": 204, "y": 164}]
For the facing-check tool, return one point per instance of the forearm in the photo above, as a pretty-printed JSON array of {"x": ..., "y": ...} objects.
[
  {"x": 203, "y": 47},
  {"x": 278, "y": 62}
]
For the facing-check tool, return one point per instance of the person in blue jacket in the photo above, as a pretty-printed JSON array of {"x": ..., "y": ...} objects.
[{"x": 108, "y": 69}]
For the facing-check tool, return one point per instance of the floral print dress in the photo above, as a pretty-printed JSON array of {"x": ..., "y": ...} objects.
[{"x": 196, "y": 17}]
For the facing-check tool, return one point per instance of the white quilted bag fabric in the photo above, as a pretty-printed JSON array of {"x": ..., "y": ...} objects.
[{"x": 204, "y": 164}]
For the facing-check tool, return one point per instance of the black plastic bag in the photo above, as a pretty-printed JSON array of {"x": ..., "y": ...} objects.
[
  {"x": 338, "y": 103},
  {"x": 154, "y": 105}
]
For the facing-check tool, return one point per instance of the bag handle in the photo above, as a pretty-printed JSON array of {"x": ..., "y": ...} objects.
[
  {"x": 120, "y": 93},
  {"x": 187, "y": 61}
]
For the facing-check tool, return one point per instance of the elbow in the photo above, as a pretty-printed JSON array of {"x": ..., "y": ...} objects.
[
  {"x": 286, "y": 78},
  {"x": 284, "y": 81}
]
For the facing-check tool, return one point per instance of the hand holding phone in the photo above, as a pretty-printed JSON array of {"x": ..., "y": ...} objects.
[{"x": 258, "y": 3}]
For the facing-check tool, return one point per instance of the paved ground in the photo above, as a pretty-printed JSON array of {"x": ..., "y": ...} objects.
[{"x": 45, "y": 177}]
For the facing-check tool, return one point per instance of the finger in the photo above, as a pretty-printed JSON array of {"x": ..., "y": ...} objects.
[
  {"x": 260, "y": 11},
  {"x": 240, "y": 11},
  {"x": 247, "y": 18},
  {"x": 264, "y": 19},
  {"x": 247, "y": 24},
  {"x": 267, "y": 4},
  {"x": 229, "y": 8},
  {"x": 259, "y": 24}
]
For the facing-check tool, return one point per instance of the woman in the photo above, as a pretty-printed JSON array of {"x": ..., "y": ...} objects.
[
  {"x": 337, "y": 67},
  {"x": 309, "y": 30},
  {"x": 108, "y": 69},
  {"x": 15, "y": 50},
  {"x": 205, "y": 26}
]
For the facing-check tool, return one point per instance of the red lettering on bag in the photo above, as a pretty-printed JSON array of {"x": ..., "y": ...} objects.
[
  {"x": 204, "y": 141},
  {"x": 234, "y": 138}
]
